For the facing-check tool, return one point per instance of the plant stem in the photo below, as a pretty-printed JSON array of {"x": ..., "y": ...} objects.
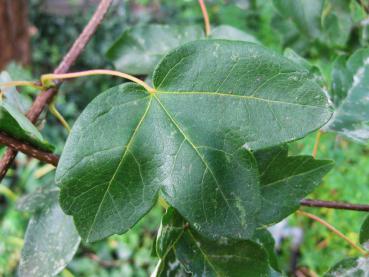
[
  {"x": 21, "y": 84},
  {"x": 48, "y": 77},
  {"x": 59, "y": 116},
  {"x": 46, "y": 96},
  {"x": 28, "y": 149},
  {"x": 333, "y": 229},
  {"x": 8, "y": 193},
  {"x": 316, "y": 203},
  {"x": 206, "y": 17},
  {"x": 316, "y": 144},
  {"x": 163, "y": 203}
]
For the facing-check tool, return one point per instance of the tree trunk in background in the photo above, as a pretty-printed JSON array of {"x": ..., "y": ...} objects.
[{"x": 14, "y": 32}]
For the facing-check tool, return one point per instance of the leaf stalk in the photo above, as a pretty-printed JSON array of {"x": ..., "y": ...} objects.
[
  {"x": 206, "y": 17},
  {"x": 46, "y": 78}
]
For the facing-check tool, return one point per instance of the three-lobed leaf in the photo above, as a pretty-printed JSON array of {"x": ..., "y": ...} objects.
[{"x": 186, "y": 141}]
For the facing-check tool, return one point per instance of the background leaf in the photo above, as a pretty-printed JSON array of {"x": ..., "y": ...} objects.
[
  {"x": 349, "y": 267},
  {"x": 42, "y": 198},
  {"x": 350, "y": 89},
  {"x": 51, "y": 241},
  {"x": 364, "y": 233},
  {"x": 148, "y": 44},
  {"x": 140, "y": 48},
  {"x": 304, "y": 13}
]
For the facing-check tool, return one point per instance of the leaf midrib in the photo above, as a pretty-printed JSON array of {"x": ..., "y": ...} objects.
[
  {"x": 296, "y": 175},
  {"x": 224, "y": 94},
  {"x": 126, "y": 150},
  {"x": 198, "y": 153}
]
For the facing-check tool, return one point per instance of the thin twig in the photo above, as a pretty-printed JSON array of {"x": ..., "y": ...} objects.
[
  {"x": 333, "y": 229},
  {"x": 59, "y": 116},
  {"x": 334, "y": 205},
  {"x": 206, "y": 17},
  {"x": 316, "y": 144},
  {"x": 45, "y": 97},
  {"x": 28, "y": 149}
]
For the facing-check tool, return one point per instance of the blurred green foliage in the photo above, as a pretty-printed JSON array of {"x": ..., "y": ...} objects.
[{"x": 130, "y": 254}]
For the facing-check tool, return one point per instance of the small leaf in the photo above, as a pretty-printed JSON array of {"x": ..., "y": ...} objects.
[
  {"x": 231, "y": 33},
  {"x": 364, "y": 233},
  {"x": 139, "y": 49},
  {"x": 51, "y": 241},
  {"x": 213, "y": 97},
  {"x": 11, "y": 95},
  {"x": 350, "y": 267},
  {"x": 304, "y": 13},
  {"x": 336, "y": 23},
  {"x": 350, "y": 90},
  {"x": 285, "y": 181},
  {"x": 204, "y": 257},
  {"x": 14, "y": 123},
  {"x": 341, "y": 80}
]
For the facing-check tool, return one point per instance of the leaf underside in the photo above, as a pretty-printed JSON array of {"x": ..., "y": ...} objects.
[
  {"x": 186, "y": 141},
  {"x": 350, "y": 90},
  {"x": 50, "y": 242}
]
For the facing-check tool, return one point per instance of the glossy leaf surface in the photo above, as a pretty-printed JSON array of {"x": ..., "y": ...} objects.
[
  {"x": 186, "y": 140},
  {"x": 14, "y": 123},
  {"x": 285, "y": 180},
  {"x": 204, "y": 257}
]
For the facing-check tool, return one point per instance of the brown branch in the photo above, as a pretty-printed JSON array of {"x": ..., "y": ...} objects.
[
  {"x": 45, "y": 97},
  {"x": 334, "y": 205},
  {"x": 28, "y": 149}
]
